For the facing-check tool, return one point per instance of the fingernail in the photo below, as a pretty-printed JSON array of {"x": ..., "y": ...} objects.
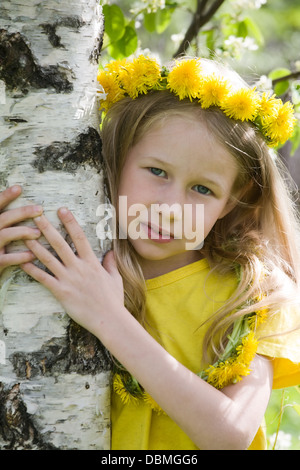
[
  {"x": 37, "y": 219},
  {"x": 63, "y": 210},
  {"x": 38, "y": 209},
  {"x": 15, "y": 189},
  {"x": 37, "y": 231}
]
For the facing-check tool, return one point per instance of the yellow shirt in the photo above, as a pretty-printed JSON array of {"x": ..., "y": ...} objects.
[{"x": 177, "y": 303}]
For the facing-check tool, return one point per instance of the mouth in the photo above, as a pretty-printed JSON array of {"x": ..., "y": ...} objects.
[{"x": 157, "y": 234}]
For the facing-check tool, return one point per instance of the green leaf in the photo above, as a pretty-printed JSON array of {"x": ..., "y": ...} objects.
[
  {"x": 280, "y": 87},
  {"x": 242, "y": 29},
  {"x": 210, "y": 39},
  {"x": 278, "y": 73},
  {"x": 150, "y": 22},
  {"x": 125, "y": 46},
  {"x": 114, "y": 21},
  {"x": 129, "y": 41},
  {"x": 297, "y": 408},
  {"x": 254, "y": 31},
  {"x": 158, "y": 21}
]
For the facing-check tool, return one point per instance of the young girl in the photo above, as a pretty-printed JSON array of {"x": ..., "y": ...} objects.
[{"x": 199, "y": 336}]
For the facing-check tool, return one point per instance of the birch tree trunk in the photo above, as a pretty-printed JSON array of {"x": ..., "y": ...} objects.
[{"x": 54, "y": 376}]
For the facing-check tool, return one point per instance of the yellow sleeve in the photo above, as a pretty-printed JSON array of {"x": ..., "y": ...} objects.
[{"x": 279, "y": 338}]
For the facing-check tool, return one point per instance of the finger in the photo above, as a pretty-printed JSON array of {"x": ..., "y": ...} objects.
[
  {"x": 41, "y": 276},
  {"x": 48, "y": 260},
  {"x": 9, "y": 195},
  {"x": 109, "y": 263},
  {"x": 55, "y": 239},
  {"x": 8, "y": 235},
  {"x": 76, "y": 233},
  {"x": 13, "y": 259},
  {"x": 14, "y": 216}
]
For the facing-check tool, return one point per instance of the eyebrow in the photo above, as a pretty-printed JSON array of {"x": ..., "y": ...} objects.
[
  {"x": 159, "y": 162},
  {"x": 205, "y": 179}
]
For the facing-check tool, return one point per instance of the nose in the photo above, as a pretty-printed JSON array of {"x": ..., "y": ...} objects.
[{"x": 170, "y": 204}]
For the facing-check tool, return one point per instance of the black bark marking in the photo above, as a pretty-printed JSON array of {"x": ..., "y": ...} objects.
[
  {"x": 17, "y": 430},
  {"x": 79, "y": 351},
  {"x": 20, "y": 71},
  {"x": 95, "y": 54},
  {"x": 73, "y": 22},
  {"x": 68, "y": 156}
]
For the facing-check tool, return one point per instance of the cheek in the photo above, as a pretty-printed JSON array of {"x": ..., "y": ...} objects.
[{"x": 212, "y": 213}]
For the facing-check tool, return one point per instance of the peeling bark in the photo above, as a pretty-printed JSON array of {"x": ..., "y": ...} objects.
[{"x": 54, "y": 376}]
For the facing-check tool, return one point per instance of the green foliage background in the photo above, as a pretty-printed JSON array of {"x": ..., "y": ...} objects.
[
  {"x": 258, "y": 38},
  {"x": 258, "y": 42}
]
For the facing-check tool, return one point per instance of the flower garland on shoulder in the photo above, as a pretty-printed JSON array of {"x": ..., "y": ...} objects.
[
  {"x": 231, "y": 367},
  {"x": 234, "y": 363},
  {"x": 188, "y": 78}
]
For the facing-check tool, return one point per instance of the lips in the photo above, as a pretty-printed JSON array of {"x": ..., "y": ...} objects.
[
  {"x": 157, "y": 234},
  {"x": 159, "y": 231}
]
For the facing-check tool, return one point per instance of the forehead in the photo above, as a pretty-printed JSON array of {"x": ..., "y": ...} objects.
[
  {"x": 186, "y": 140},
  {"x": 185, "y": 149}
]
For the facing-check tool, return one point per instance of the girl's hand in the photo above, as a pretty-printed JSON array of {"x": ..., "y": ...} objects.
[
  {"x": 86, "y": 289},
  {"x": 10, "y": 233}
]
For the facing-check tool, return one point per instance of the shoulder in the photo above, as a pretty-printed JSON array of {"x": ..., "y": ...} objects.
[{"x": 279, "y": 339}]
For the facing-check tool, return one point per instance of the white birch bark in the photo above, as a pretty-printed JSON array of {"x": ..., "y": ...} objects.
[{"x": 53, "y": 392}]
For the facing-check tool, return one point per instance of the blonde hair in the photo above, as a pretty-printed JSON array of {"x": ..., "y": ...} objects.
[{"x": 258, "y": 240}]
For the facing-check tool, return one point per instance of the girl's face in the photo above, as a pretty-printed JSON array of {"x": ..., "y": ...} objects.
[{"x": 176, "y": 183}]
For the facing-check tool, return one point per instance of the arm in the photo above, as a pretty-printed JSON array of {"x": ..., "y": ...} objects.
[{"x": 213, "y": 419}]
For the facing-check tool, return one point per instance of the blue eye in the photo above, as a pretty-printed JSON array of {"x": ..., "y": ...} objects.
[
  {"x": 157, "y": 171},
  {"x": 202, "y": 189}
]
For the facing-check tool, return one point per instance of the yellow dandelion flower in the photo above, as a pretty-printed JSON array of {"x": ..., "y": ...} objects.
[
  {"x": 242, "y": 104},
  {"x": 280, "y": 126},
  {"x": 268, "y": 105},
  {"x": 185, "y": 78},
  {"x": 247, "y": 349},
  {"x": 152, "y": 403},
  {"x": 115, "y": 66},
  {"x": 120, "y": 388},
  {"x": 213, "y": 91},
  {"x": 258, "y": 318},
  {"x": 111, "y": 88},
  {"x": 219, "y": 376},
  {"x": 261, "y": 316},
  {"x": 140, "y": 75}
]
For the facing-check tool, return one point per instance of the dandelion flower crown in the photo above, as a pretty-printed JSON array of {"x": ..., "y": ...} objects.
[{"x": 189, "y": 78}]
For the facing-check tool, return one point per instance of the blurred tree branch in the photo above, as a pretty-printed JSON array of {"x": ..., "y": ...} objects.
[
  {"x": 286, "y": 77},
  {"x": 200, "y": 18}
]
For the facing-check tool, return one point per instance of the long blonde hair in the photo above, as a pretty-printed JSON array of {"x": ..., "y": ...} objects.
[{"x": 258, "y": 240}]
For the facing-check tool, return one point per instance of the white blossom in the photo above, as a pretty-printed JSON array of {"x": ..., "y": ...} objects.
[
  {"x": 283, "y": 442},
  {"x": 264, "y": 84},
  {"x": 151, "y": 6},
  {"x": 248, "y": 4}
]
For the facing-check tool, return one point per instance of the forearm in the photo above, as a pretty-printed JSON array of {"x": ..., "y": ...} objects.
[{"x": 208, "y": 416}]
